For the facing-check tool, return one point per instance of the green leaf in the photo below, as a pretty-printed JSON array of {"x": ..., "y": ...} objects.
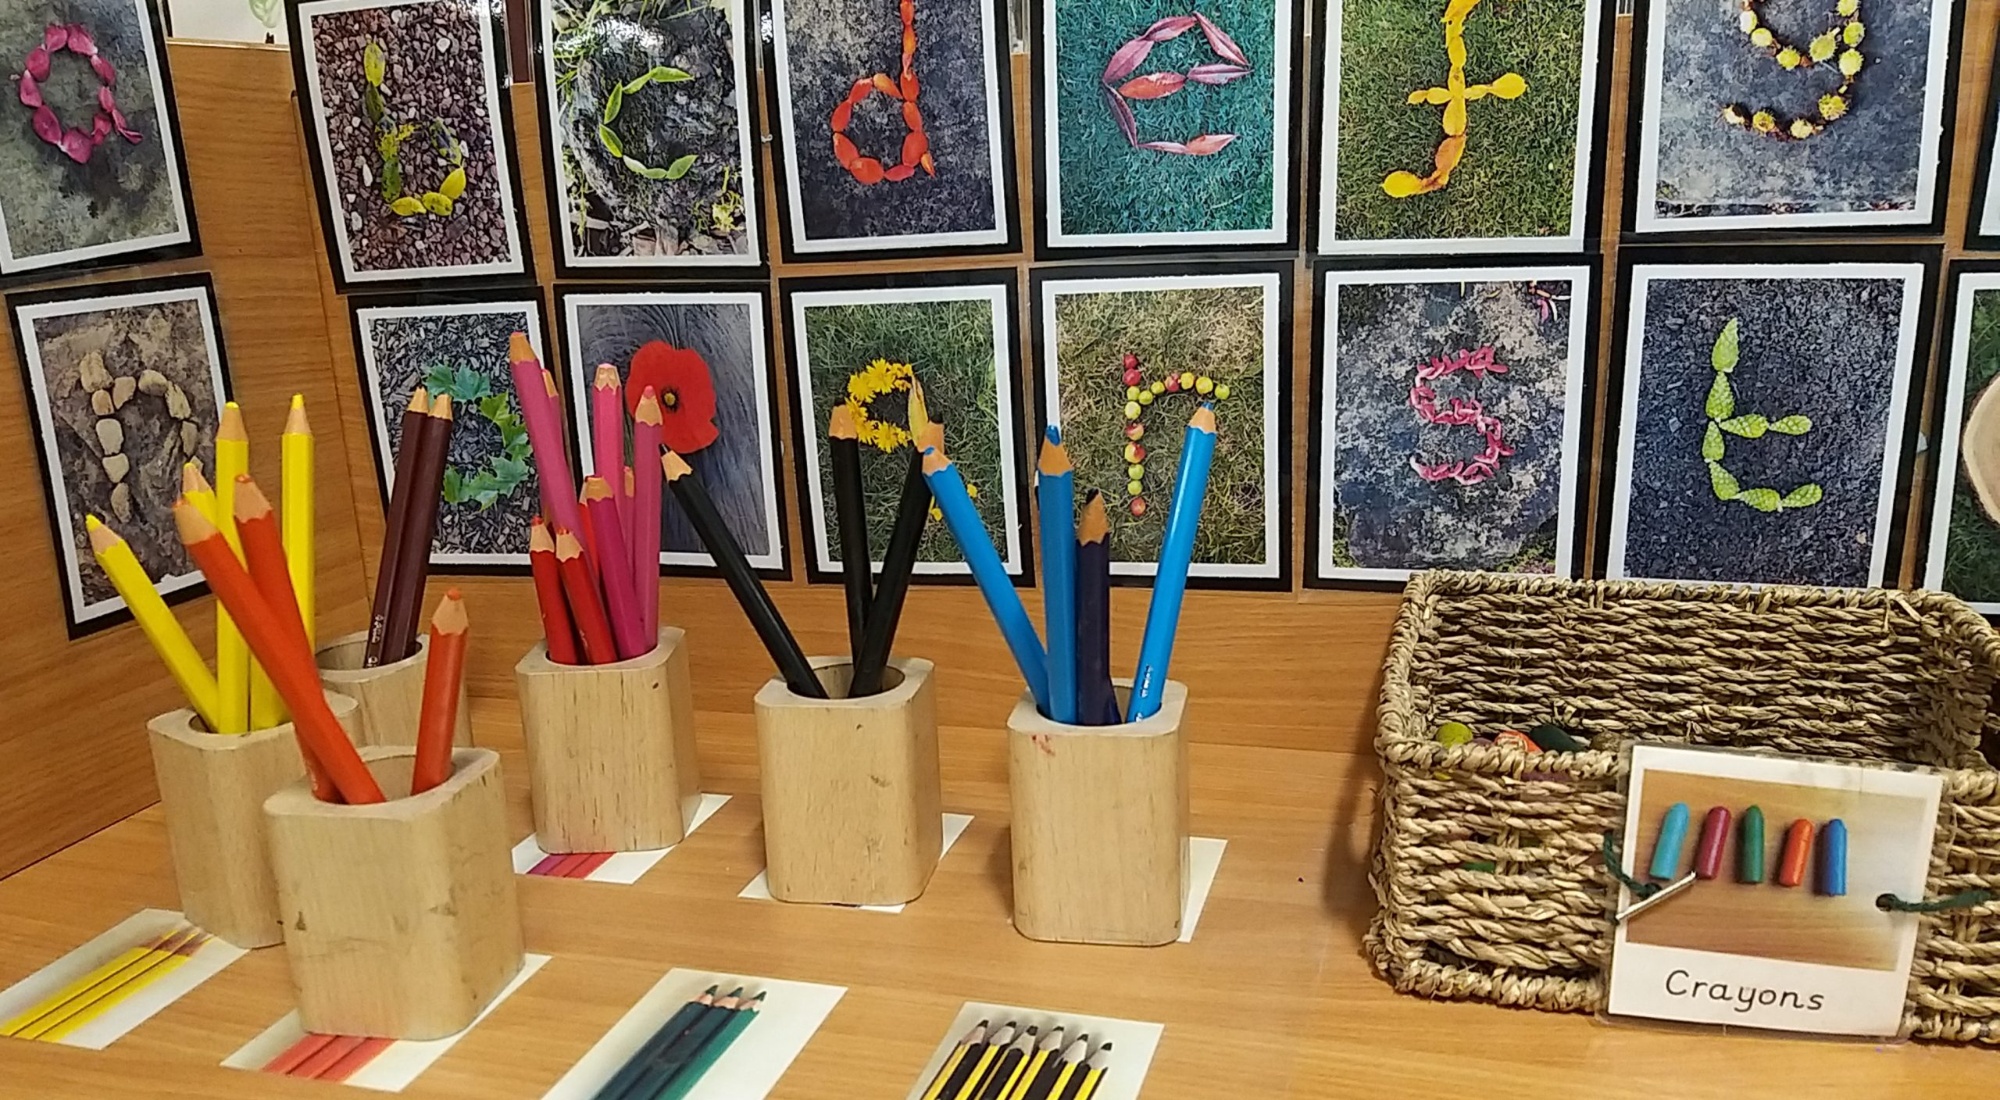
[
  {"x": 610, "y": 141},
  {"x": 613, "y": 102},
  {"x": 374, "y": 66},
  {"x": 1723, "y": 482},
  {"x": 454, "y": 486},
  {"x": 440, "y": 378},
  {"x": 471, "y": 386},
  {"x": 407, "y": 206},
  {"x": 510, "y": 471},
  {"x": 493, "y": 406},
  {"x": 1749, "y": 425},
  {"x": 1724, "y": 353},
  {"x": 1711, "y": 443},
  {"x": 453, "y": 185},
  {"x": 371, "y": 103},
  {"x": 1805, "y": 496},
  {"x": 649, "y": 172},
  {"x": 667, "y": 74},
  {"x": 1764, "y": 500},
  {"x": 486, "y": 498},
  {"x": 1721, "y": 402},
  {"x": 680, "y": 167},
  {"x": 1794, "y": 424},
  {"x": 638, "y": 166},
  {"x": 637, "y": 84}
]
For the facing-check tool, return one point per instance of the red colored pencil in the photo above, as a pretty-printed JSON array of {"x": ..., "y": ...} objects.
[
  {"x": 614, "y": 569},
  {"x": 285, "y": 660},
  {"x": 442, "y": 674},
  {"x": 646, "y": 490},
  {"x": 264, "y": 556},
  {"x": 556, "y": 627},
  {"x": 584, "y": 605}
]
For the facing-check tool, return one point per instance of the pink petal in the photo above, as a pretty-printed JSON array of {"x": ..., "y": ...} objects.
[
  {"x": 1163, "y": 146},
  {"x": 80, "y": 40},
  {"x": 78, "y": 145},
  {"x": 1224, "y": 46},
  {"x": 118, "y": 123},
  {"x": 104, "y": 97},
  {"x": 1209, "y": 144},
  {"x": 1152, "y": 86},
  {"x": 1125, "y": 62},
  {"x": 1172, "y": 26},
  {"x": 38, "y": 63},
  {"x": 31, "y": 92},
  {"x": 47, "y": 127},
  {"x": 1213, "y": 73},
  {"x": 1122, "y": 111},
  {"x": 54, "y": 37},
  {"x": 100, "y": 127},
  {"x": 103, "y": 69}
]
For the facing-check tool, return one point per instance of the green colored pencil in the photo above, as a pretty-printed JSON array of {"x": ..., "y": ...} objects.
[{"x": 706, "y": 1058}]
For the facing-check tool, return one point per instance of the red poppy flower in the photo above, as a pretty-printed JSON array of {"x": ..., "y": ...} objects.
[{"x": 686, "y": 392}]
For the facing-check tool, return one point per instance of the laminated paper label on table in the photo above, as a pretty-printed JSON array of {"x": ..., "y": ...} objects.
[
  {"x": 1801, "y": 945},
  {"x": 96, "y": 1013},
  {"x": 624, "y": 868},
  {"x": 759, "y": 888},
  {"x": 1125, "y": 1064}
]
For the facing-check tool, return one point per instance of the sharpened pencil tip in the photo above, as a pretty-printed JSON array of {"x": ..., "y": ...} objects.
[
  {"x": 519, "y": 350},
  {"x": 231, "y": 427},
  {"x": 102, "y": 538},
  {"x": 595, "y": 488},
  {"x": 250, "y": 501},
  {"x": 450, "y": 617},
  {"x": 539, "y": 538},
  {"x": 192, "y": 481},
  {"x": 919, "y": 411},
  {"x": 566, "y": 545},
  {"x": 648, "y": 410},
  {"x": 1203, "y": 419},
  {"x": 606, "y": 377},
  {"x": 190, "y": 523},
  {"x": 840, "y": 423},
  {"x": 675, "y": 466},
  {"x": 420, "y": 400},
  {"x": 295, "y": 421},
  {"x": 441, "y": 406},
  {"x": 1054, "y": 459}
]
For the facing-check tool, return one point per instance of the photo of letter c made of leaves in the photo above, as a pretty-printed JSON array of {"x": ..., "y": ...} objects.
[
  {"x": 1760, "y": 426},
  {"x": 1412, "y": 164},
  {"x": 490, "y": 490},
  {"x": 1202, "y": 153}
]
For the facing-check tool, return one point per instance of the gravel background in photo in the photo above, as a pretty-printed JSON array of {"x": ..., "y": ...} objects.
[
  {"x": 832, "y": 44},
  {"x": 124, "y": 192},
  {"x": 435, "y": 72},
  {"x": 1823, "y": 348},
  {"x": 736, "y": 468},
  {"x": 629, "y": 214},
  {"x": 1864, "y": 161},
  {"x": 154, "y": 431},
  {"x": 1388, "y": 517},
  {"x": 419, "y": 351}
]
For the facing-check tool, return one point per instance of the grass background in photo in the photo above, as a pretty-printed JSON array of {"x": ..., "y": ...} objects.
[
  {"x": 1972, "y": 544},
  {"x": 1520, "y": 156},
  {"x": 1110, "y": 187},
  {"x": 951, "y": 346},
  {"x": 1217, "y": 331}
]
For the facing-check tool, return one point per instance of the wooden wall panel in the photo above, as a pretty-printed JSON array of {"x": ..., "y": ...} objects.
[{"x": 74, "y": 748}]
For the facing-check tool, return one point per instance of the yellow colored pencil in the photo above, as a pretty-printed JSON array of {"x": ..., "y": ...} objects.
[
  {"x": 972, "y": 1038},
  {"x": 56, "y": 999},
  {"x": 1089, "y": 1088},
  {"x": 993, "y": 1048},
  {"x": 197, "y": 490},
  {"x": 295, "y": 507},
  {"x": 111, "y": 998},
  {"x": 1050, "y": 1047},
  {"x": 150, "y": 611},
  {"x": 232, "y": 656},
  {"x": 47, "y": 1020}
]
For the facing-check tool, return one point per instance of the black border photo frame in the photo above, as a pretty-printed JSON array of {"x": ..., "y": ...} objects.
[
  {"x": 782, "y": 144},
  {"x": 1576, "y": 524},
  {"x": 409, "y": 279},
  {"x": 1012, "y": 436},
  {"x": 1899, "y": 449},
  {"x": 1983, "y": 166},
  {"x": 36, "y": 421},
  {"x": 1278, "y": 455},
  {"x": 1936, "y": 492},
  {"x": 754, "y": 265},
  {"x": 570, "y": 394}
]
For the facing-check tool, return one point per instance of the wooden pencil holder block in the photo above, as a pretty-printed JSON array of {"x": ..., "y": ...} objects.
[
  {"x": 611, "y": 751},
  {"x": 391, "y": 695},
  {"x": 850, "y": 787},
  {"x": 1100, "y": 825},
  {"x": 400, "y": 917},
  {"x": 212, "y": 791}
]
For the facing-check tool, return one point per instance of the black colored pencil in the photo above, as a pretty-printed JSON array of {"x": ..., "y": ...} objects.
[
  {"x": 1004, "y": 1066},
  {"x": 1096, "y": 703},
  {"x": 970, "y": 1045},
  {"x": 850, "y": 515},
  {"x": 1099, "y": 1060},
  {"x": 912, "y": 509},
  {"x": 1045, "y": 1082},
  {"x": 656, "y": 1045},
  {"x": 973, "y": 1068},
  {"x": 708, "y": 523}
]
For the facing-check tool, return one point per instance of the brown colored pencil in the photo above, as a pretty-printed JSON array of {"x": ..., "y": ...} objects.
[
  {"x": 413, "y": 557},
  {"x": 409, "y": 443}
]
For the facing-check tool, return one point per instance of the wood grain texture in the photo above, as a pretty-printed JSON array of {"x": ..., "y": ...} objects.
[
  {"x": 73, "y": 759},
  {"x": 850, "y": 787},
  {"x": 212, "y": 792},
  {"x": 391, "y": 695},
  {"x": 401, "y": 919}
]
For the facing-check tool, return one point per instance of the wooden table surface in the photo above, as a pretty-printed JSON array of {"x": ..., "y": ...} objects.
[{"x": 1271, "y": 999}]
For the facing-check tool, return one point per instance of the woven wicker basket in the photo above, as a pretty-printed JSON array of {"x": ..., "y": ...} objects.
[{"x": 1902, "y": 677}]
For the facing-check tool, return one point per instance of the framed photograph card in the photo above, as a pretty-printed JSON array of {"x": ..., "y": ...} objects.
[
  {"x": 648, "y": 138},
  {"x": 411, "y": 136},
  {"x": 1758, "y": 116},
  {"x": 1757, "y": 432},
  {"x": 894, "y": 125},
  {"x": 1961, "y": 541},
  {"x": 1451, "y": 420},
  {"x": 1127, "y": 354},
  {"x": 456, "y": 343},
  {"x": 1159, "y": 126},
  {"x": 125, "y": 383},
  {"x": 707, "y": 357},
  {"x": 260, "y": 22},
  {"x": 1481, "y": 131},
  {"x": 1982, "y": 221},
  {"x": 90, "y": 169},
  {"x": 861, "y": 341}
]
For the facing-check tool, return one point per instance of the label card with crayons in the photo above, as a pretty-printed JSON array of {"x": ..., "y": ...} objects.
[
  {"x": 1777, "y": 868},
  {"x": 92, "y": 996},
  {"x": 624, "y": 868},
  {"x": 1034, "y": 1054},
  {"x": 698, "y": 1035}
]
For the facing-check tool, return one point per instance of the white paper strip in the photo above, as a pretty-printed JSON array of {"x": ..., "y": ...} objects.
[
  {"x": 954, "y": 827},
  {"x": 134, "y": 931},
  {"x": 624, "y": 868}
]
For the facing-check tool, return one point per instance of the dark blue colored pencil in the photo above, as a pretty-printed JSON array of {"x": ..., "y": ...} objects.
[{"x": 657, "y": 1044}]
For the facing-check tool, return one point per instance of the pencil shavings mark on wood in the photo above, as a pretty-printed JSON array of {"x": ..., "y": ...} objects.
[
  {"x": 1460, "y": 412},
  {"x": 1453, "y": 97},
  {"x": 77, "y": 144},
  {"x": 1119, "y": 90},
  {"x": 916, "y": 151}
]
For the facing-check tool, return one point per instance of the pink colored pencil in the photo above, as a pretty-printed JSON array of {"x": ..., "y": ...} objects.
[
  {"x": 536, "y": 391},
  {"x": 628, "y": 631},
  {"x": 607, "y": 434},
  {"x": 647, "y": 479},
  {"x": 546, "y": 866}
]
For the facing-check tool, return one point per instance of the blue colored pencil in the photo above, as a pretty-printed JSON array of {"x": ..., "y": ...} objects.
[
  {"x": 1156, "y": 646},
  {"x": 656, "y": 1045},
  {"x": 1056, "y": 490},
  {"x": 969, "y": 531},
  {"x": 662, "y": 1068}
]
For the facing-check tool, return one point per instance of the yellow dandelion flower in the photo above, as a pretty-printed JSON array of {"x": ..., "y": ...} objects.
[
  {"x": 1802, "y": 129},
  {"x": 1850, "y": 62},
  {"x": 1762, "y": 38},
  {"x": 1822, "y": 47},
  {"x": 1788, "y": 58},
  {"x": 1764, "y": 122},
  {"x": 1832, "y": 107},
  {"x": 1848, "y": 7},
  {"x": 1853, "y": 34},
  {"x": 1747, "y": 20}
]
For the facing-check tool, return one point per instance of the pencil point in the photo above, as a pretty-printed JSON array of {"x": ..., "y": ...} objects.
[
  {"x": 1052, "y": 434},
  {"x": 102, "y": 538},
  {"x": 251, "y": 503},
  {"x": 441, "y": 408},
  {"x": 566, "y": 545},
  {"x": 450, "y": 617},
  {"x": 1054, "y": 459},
  {"x": 295, "y": 421},
  {"x": 519, "y": 350},
  {"x": 675, "y": 466},
  {"x": 648, "y": 411},
  {"x": 596, "y": 488},
  {"x": 539, "y": 538},
  {"x": 548, "y": 381},
  {"x": 931, "y": 438},
  {"x": 1203, "y": 419},
  {"x": 606, "y": 377},
  {"x": 191, "y": 524},
  {"x": 1095, "y": 525},
  {"x": 420, "y": 400},
  {"x": 920, "y": 413},
  {"x": 192, "y": 481},
  {"x": 231, "y": 427},
  {"x": 840, "y": 423}
]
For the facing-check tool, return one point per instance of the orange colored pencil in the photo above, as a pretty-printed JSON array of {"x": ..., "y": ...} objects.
[
  {"x": 270, "y": 570},
  {"x": 584, "y": 604},
  {"x": 439, "y": 718},
  {"x": 288, "y": 663},
  {"x": 556, "y": 627}
]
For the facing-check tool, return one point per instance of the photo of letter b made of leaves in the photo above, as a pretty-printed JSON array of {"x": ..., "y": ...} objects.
[{"x": 1761, "y": 429}]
